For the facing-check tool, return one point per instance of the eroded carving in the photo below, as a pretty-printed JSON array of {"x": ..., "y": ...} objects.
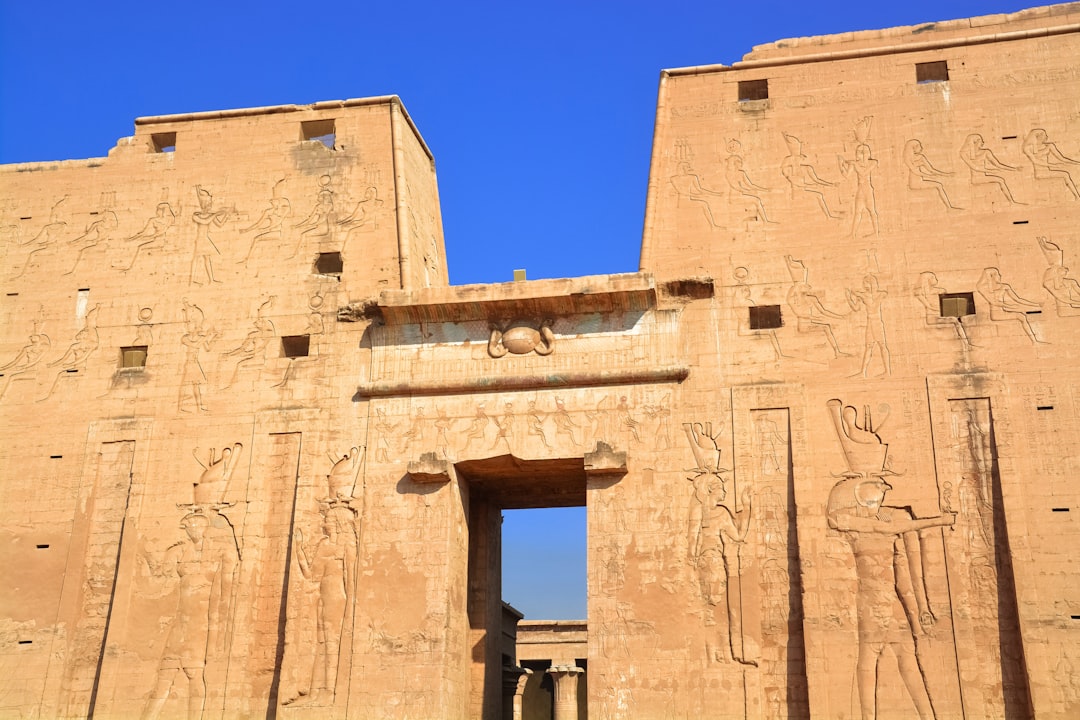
[
  {"x": 810, "y": 313},
  {"x": 862, "y": 167},
  {"x": 319, "y": 223},
  {"x": 739, "y": 181},
  {"x": 252, "y": 352},
  {"x": 45, "y": 237},
  {"x": 688, "y": 185},
  {"x": 195, "y": 339},
  {"x": 153, "y": 233},
  {"x": 26, "y": 359},
  {"x": 97, "y": 232},
  {"x": 270, "y": 224},
  {"x": 1056, "y": 280},
  {"x": 86, "y": 341}
]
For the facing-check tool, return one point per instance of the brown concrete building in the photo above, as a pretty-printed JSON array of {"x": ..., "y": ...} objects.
[{"x": 256, "y": 448}]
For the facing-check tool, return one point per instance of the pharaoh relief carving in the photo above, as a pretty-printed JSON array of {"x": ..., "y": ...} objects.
[
  {"x": 984, "y": 167},
  {"x": 869, "y": 300},
  {"x": 84, "y": 344},
  {"x": 892, "y": 604},
  {"x": 719, "y": 520},
  {"x": 802, "y": 177},
  {"x": 922, "y": 175},
  {"x": 521, "y": 338},
  {"x": 152, "y": 235},
  {"x": 331, "y": 567},
  {"x": 206, "y": 218},
  {"x": 810, "y": 314},
  {"x": 1049, "y": 163},
  {"x": 928, "y": 292},
  {"x": 1063, "y": 288},
  {"x": 203, "y": 567},
  {"x": 271, "y": 222},
  {"x": 864, "y": 205},
  {"x": 196, "y": 338},
  {"x": 45, "y": 238},
  {"x": 1004, "y": 303}
]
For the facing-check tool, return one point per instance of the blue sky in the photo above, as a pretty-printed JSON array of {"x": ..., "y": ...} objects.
[{"x": 540, "y": 115}]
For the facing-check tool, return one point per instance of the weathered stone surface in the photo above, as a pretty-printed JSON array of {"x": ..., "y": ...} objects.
[{"x": 256, "y": 449}]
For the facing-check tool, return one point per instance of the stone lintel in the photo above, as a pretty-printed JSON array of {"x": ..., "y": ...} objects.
[
  {"x": 638, "y": 376},
  {"x": 429, "y": 469},
  {"x": 605, "y": 461},
  {"x": 536, "y": 299}
]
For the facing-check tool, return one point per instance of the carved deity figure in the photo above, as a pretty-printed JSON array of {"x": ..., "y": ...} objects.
[
  {"x": 809, "y": 311},
  {"x": 929, "y": 293},
  {"x": 153, "y": 233},
  {"x": 739, "y": 181},
  {"x": 45, "y": 237},
  {"x": 891, "y": 602},
  {"x": 864, "y": 204},
  {"x": 96, "y": 233},
  {"x": 984, "y": 167},
  {"x": 26, "y": 359},
  {"x": 922, "y": 175},
  {"x": 1004, "y": 303},
  {"x": 269, "y": 225},
  {"x": 252, "y": 352},
  {"x": 1048, "y": 162},
  {"x": 717, "y": 530},
  {"x": 332, "y": 567},
  {"x": 364, "y": 217},
  {"x": 205, "y": 565},
  {"x": 801, "y": 175},
  {"x": 86, "y": 341},
  {"x": 319, "y": 223},
  {"x": 688, "y": 185}
]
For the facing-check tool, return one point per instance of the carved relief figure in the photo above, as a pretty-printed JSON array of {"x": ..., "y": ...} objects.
[
  {"x": 661, "y": 414},
  {"x": 744, "y": 297},
  {"x": 739, "y": 181},
  {"x": 252, "y": 352},
  {"x": 505, "y": 424},
  {"x": 383, "y": 429},
  {"x": 807, "y": 307},
  {"x": 1064, "y": 289},
  {"x": 45, "y": 237},
  {"x": 26, "y": 359},
  {"x": 97, "y": 232},
  {"x": 86, "y": 341},
  {"x": 984, "y": 166},
  {"x": 869, "y": 299},
  {"x": 928, "y": 293},
  {"x": 717, "y": 530},
  {"x": 864, "y": 204},
  {"x": 153, "y": 233},
  {"x": 626, "y": 421},
  {"x": 213, "y": 483},
  {"x": 564, "y": 424},
  {"x": 270, "y": 224},
  {"x": 1048, "y": 162},
  {"x": 891, "y": 601},
  {"x": 1004, "y": 303},
  {"x": 800, "y": 174},
  {"x": 922, "y": 175},
  {"x": 688, "y": 185},
  {"x": 443, "y": 425},
  {"x": 205, "y": 218},
  {"x": 204, "y": 564},
  {"x": 332, "y": 567},
  {"x": 536, "y": 423},
  {"x": 478, "y": 427},
  {"x": 195, "y": 339},
  {"x": 319, "y": 223},
  {"x": 521, "y": 338},
  {"x": 365, "y": 216}
]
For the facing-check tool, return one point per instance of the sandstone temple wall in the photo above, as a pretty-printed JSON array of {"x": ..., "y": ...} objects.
[{"x": 257, "y": 448}]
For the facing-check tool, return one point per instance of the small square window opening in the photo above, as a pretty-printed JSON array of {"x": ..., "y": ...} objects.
[
  {"x": 164, "y": 142},
  {"x": 765, "y": 317},
  {"x": 133, "y": 357},
  {"x": 295, "y": 345},
  {"x": 928, "y": 72},
  {"x": 957, "y": 305},
  {"x": 753, "y": 90},
  {"x": 320, "y": 131},
  {"x": 329, "y": 264}
]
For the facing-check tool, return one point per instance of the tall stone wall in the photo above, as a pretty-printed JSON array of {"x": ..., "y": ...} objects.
[{"x": 257, "y": 449}]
